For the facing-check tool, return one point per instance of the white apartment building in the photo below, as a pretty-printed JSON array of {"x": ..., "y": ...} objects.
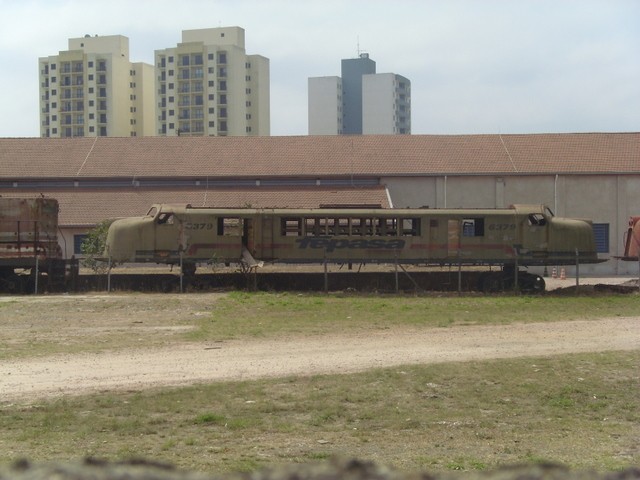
[
  {"x": 361, "y": 101},
  {"x": 208, "y": 86},
  {"x": 386, "y": 104},
  {"x": 325, "y": 106},
  {"x": 92, "y": 89}
]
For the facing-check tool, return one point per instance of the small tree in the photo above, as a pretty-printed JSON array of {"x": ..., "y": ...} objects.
[{"x": 93, "y": 247}]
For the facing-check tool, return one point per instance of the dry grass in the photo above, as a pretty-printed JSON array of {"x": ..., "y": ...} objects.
[{"x": 579, "y": 410}]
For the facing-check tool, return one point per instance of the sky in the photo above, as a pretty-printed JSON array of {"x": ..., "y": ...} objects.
[{"x": 475, "y": 66}]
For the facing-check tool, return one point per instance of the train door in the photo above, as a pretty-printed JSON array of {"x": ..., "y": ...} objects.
[
  {"x": 166, "y": 236},
  {"x": 265, "y": 252},
  {"x": 453, "y": 237}
]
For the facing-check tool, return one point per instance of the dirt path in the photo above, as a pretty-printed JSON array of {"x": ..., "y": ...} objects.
[{"x": 235, "y": 360}]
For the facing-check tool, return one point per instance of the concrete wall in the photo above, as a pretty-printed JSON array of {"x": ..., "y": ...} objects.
[{"x": 607, "y": 199}]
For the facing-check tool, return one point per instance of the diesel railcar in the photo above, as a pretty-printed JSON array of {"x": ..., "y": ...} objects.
[
  {"x": 29, "y": 248},
  {"x": 522, "y": 235}
]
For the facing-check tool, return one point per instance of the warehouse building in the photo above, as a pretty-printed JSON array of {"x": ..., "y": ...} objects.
[{"x": 594, "y": 176}]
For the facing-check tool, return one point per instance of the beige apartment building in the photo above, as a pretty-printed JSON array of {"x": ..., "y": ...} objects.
[
  {"x": 93, "y": 89},
  {"x": 208, "y": 86}
]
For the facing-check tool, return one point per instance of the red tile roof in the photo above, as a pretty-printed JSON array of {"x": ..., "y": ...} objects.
[
  {"x": 319, "y": 156},
  {"x": 86, "y": 207}
]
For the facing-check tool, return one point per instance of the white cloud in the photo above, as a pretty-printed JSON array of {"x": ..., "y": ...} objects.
[{"x": 475, "y": 66}]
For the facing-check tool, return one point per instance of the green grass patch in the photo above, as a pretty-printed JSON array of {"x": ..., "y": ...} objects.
[
  {"x": 579, "y": 410},
  {"x": 46, "y": 325}
]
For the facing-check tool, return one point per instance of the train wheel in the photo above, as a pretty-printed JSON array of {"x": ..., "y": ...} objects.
[
  {"x": 492, "y": 282},
  {"x": 188, "y": 269},
  {"x": 533, "y": 283}
]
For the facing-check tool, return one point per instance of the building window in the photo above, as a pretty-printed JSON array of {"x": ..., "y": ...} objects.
[
  {"x": 210, "y": 56},
  {"x": 601, "y": 232},
  {"x": 77, "y": 243}
]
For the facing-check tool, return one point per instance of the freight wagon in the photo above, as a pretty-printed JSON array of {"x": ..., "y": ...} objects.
[{"x": 30, "y": 256}]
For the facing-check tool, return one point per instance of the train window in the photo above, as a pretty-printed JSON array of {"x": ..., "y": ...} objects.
[
  {"x": 389, "y": 226},
  {"x": 152, "y": 212},
  {"x": 165, "y": 218},
  {"x": 291, "y": 227},
  {"x": 473, "y": 227},
  {"x": 311, "y": 227},
  {"x": 343, "y": 226},
  {"x": 537, "y": 219},
  {"x": 230, "y": 226},
  {"x": 411, "y": 227}
]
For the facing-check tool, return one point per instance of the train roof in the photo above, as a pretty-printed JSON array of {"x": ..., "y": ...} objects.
[{"x": 350, "y": 210}]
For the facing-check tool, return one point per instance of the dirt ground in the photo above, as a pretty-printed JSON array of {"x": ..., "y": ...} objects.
[{"x": 28, "y": 380}]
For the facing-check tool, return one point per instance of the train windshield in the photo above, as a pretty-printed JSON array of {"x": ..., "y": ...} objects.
[{"x": 152, "y": 211}]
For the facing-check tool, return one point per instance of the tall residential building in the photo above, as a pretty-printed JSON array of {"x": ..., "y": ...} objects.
[
  {"x": 325, "y": 105},
  {"x": 92, "y": 89},
  {"x": 361, "y": 101},
  {"x": 386, "y": 104},
  {"x": 208, "y": 85},
  {"x": 352, "y": 71}
]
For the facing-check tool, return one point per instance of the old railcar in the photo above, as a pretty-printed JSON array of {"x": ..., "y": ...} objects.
[
  {"x": 632, "y": 240},
  {"x": 29, "y": 249},
  {"x": 523, "y": 235}
]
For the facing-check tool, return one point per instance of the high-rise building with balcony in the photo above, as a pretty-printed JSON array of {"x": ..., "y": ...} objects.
[
  {"x": 361, "y": 101},
  {"x": 92, "y": 89},
  {"x": 208, "y": 85}
]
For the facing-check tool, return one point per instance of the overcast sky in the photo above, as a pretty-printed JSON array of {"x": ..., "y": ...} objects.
[{"x": 475, "y": 66}]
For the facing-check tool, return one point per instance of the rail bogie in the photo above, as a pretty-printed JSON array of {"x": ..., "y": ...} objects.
[{"x": 523, "y": 235}]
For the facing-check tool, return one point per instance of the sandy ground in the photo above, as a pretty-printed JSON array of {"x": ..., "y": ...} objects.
[{"x": 31, "y": 379}]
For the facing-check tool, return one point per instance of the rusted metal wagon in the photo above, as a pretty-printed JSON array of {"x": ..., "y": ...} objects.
[{"x": 30, "y": 256}]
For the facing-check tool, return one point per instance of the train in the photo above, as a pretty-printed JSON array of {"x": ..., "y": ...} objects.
[
  {"x": 30, "y": 254},
  {"x": 510, "y": 238},
  {"x": 631, "y": 240}
]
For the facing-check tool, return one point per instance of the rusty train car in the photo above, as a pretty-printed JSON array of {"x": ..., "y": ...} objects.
[
  {"x": 519, "y": 236},
  {"x": 632, "y": 240},
  {"x": 29, "y": 249}
]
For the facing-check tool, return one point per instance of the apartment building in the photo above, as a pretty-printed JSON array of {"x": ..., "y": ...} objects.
[
  {"x": 386, "y": 104},
  {"x": 208, "y": 86},
  {"x": 92, "y": 89},
  {"x": 325, "y": 106},
  {"x": 360, "y": 101}
]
